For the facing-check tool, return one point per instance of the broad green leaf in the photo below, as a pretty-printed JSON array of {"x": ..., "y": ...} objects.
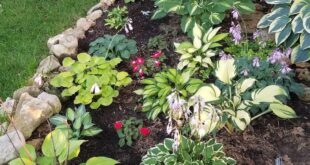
[
  {"x": 279, "y": 24},
  {"x": 187, "y": 23},
  {"x": 291, "y": 40},
  {"x": 29, "y": 152},
  {"x": 281, "y": 36},
  {"x": 91, "y": 131},
  {"x": 209, "y": 93},
  {"x": 306, "y": 22},
  {"x": 305, "y": 40},
  {"x": 299, "y": 55},
  {"x": 70, "y": 114},
  {"x": 264, "y": 21},
  {"x": 83, "y": 57},
  {"x": 216, "y": 18},
  {"x": 72, "y": 152},
  {"x": 43, "y": 160},
  {"x": 296, "y": 7},
  {"x": 101, "y": 161},
  {"x": 159, "y": 14},
  {"x": 52, "y": 147},
  {"x": 58, "y": 120},
  {"x": 67, "y": 62},
  {"x": 282, "y": 111},
  {"x": 21, "y": 161},
  {"x": 226, "y": 70},
  {"x": 297, "y": 25},
  {"x": 121, "y": 75}
]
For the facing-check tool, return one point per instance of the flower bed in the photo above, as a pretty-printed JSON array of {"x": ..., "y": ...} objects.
[{"x": 195, "y": 101}]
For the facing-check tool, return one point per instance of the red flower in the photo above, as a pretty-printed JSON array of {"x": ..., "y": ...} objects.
[
  {"x": 118, "y": 125},
  {"x": 157, "y": 63},
  {"x": 144, "y": 131},
  {"x": 135, "y": 68},
  {"x": 157, "y": 54},
  {"x": 141, "y": 72},
  {"x": 140, "y": 60},
  {"x": 133, "y": 63}
]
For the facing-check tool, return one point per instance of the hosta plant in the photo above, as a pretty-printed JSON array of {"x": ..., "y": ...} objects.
[
  {"x": 77, "y": 122},
  {"x": 163, "y": 84},
  {"x": 113, "y": 46},
  {"x": 188, "y": 152},
  {"x": 117, "y": 17},
  {"x": 56, "y": 149},
  {"x": 129, "y": 131},
  {"x": 230, "y": 99},
  {"x": 198, "y": 53},
  {"x": 92, "y": 80},
  {"x": 290, "y": 22},
  {"x": 206, "y": 13}
]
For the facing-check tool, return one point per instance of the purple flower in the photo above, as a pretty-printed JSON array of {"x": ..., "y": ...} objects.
[
  {"x": 225, "y": 56},
  {"x": 235, "y": 14},
  {"x": 245, "y": 72},
  {"x": 255, "y": 62},
  {"x": 287, "y": 52},
  {"x": 278, "y": 56},
  {"x": 285, "y": 69},
  {"x": 257, "y": 34},
  {"x": 235, "y": 31}
]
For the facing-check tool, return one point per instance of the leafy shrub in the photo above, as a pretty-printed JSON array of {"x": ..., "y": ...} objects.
[
  {"x": 117, "y": 18},
  {"x": 198, "y": 54},
  {"x": 157, "y": 43},
  {"x": 56, "y": 149},
  {"x": 78, "y": 123},
  {"x": 113, "y": 46},
  {"x": 129, "y": 131},
  {"x": 93, "y": 80},
  {"x": 204, "y": 13},
  {"x": 231, "y": 99},
  {"x": 290, "y": 21},
  {"x": 189, "y": 152},
  {"x": 158, "y": 88}
]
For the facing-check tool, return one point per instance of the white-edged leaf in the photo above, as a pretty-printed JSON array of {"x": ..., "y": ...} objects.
[
  {"x": 306, "y": 22},
  {"x": 299, "y": 55},
  {"x": 279, "y": 24},
  {"x": 281, "y": 36},
  {"x": 277, "y": 2},
  {"x": 268, "y": 94},
  {"x": 209, "y": 93},
  {"x": 305, "y": 40},
  {"x": 282, "y": 111},
  {"x": 297, "y": 25},
  {"x": 226, "y": 70}
]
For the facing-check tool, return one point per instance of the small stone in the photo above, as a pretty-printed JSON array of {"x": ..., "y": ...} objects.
[
  {"x": 48, "y": 65},
  {"x": 84, "y": 24},
  {"x": 8, "y": 144},
  {"x": 69, "y": 41},
  {"x": 30, "y": 113},
  {"x": 52, "y": 100},
  {"x": 32, "y": 90},
  {"x": 94, "y": 15},
  {"x": 77, "y": 32},
  {"x": 8, "y": 106}
]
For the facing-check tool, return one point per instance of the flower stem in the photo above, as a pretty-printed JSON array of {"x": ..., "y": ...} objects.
[{"x": 261, "y": 114}]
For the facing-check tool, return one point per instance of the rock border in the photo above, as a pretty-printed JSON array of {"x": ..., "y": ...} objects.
[{"x": 32, "y": 105}]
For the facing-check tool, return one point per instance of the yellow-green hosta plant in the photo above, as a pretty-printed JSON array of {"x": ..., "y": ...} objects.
[
  {"x": 157, "y": 89},
  {"x": 290, "y": 22},
  {"x": 229, "y": 99},
  {"x": 198, "y": 53},
  {"x": 92, "y": 80}
]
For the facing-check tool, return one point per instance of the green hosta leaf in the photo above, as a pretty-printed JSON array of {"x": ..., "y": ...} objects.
[
  {"x": 91, "y": 131},
  {"x": 291, "y": 40},
  {"x": 83, "y": 57},
  {"x": 22, "y": 161},
  {"x": 70, "y": 114},
  {"x": 297, "y": 25},
  {"x": 211, "y": 34},
  {"x": 216, "y": 18},
  {"x": 219, "y": 37},
  {"x": 304, "y": 11},
  {"x": 53, "y": 147},
  {"x": 226, "y": 70},
  {"x": 115, "y": 61},
  {"x": 187, "y": 23},
  {"x": 281, "y": 36},
  {"x": 277, "y": 2},
  {"x": 305, "y": 40},
  {"x": 209, "y": 93},
  {"x": 67, "y": 62},
  {"x": 306, "y": 22},
  {"x": 268, "y": 94},
  {"x": 43, "y": 160},
  {"x": 101, "y": 161},
  {"x": 245, "y": 7},
  {"x": 159, "y": 13},
  {"x": 282, "y": 111},
  {"x": 77, "y": 123},
  {"x": 279, "y": 24},
  {"x": 28, "y": 151},
  {"x": 296, "y": 7},
  {"x": 72, "y": 152},
  {"x": 264, "y": 21},
  {"x": 70, "y": 91},
  {"x": 299, "y": 55},
  {"x": 58, "y": 120},
  {"x": 168, "y": 144},
  {"x": 121, "y": 75}
]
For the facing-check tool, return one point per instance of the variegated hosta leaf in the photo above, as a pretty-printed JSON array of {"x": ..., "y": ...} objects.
[
  {"x": 304, "y": 10},
  {"x": 291, "y": 40},
  {"x": 306, "y": 22},
  {"x": 267, "y": 19},
  {"x": 276, "y": 2},
  {"x": 242, "y": 119},
  {"x": 282, "y": 111},
  {"x": 226, "y": 70},
  {"x": 187, "y": 23},
  {"x": 297, "y": 25},
  {"x": 281, "y": 36},
  {"x": 268, "y": 94},
  {"x": 296, "y": 7},
  {"x": 305, "y": 40},
  {"x": 197, "y": 32},
  {"x": 209, "y": 93},
  {"x": 245, "y": 84},
  {"x": 279, "y": 24},
  {"x": 299, "y": 55}
]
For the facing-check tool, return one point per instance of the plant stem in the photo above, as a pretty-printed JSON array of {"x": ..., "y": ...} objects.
[{"x": 261, "y": 114}]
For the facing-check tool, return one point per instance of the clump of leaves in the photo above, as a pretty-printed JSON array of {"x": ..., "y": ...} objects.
[
  {"x": 290, "y": 21},
  {"x": 188, "y": 152},
  {"x": 56, "y": 149},
  {"x": 157, "y": 43},
  {"x": 93, "y": 80},
  {"x": 204, "y": 13},
  {"x": 117, "y": 18},
  {"x": 198, "y": 53},
  {"x": 78, "y": 123},
  {"x": 113, "y": 46},
  {"x": 129, "y": 131},
  {"x": 163, "y": 84},
  {"x": 235, "y": 104}
]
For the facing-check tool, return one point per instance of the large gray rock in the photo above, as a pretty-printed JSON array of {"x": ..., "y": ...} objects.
[
  {"x": 84, "y": 24},
  {"x": 9, "y": 143},
  {"x": 77, "y": 32},
  {"x": 32, "y": 90},
  {"x": 54, "y": 40},
  {"x": 31, "y": 112},
  {"x": 94, "y": 15},
  {"x": 8, "y": 106},
  {"x": 60, "y": 51},
  {"x": 48, "y": 65}
]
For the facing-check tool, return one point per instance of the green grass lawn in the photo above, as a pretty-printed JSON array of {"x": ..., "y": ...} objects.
[{"x": 25, "y": 26}]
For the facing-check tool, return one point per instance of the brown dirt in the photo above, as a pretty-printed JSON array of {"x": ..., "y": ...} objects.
[{"x": 265, "y": 140}]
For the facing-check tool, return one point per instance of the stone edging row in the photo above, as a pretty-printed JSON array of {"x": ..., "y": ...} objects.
[{"x": 32, "y": 105}]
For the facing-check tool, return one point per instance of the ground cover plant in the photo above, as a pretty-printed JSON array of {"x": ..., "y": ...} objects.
[{"x": 189, "y": 94}]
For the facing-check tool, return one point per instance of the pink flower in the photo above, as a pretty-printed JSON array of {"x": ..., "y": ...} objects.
[
  {"x": 141, "y": 72},
  {"x": 118, "y": 125},
  {"x": 133, "y": 63},
  {"x": 157, "y": 63},
  {"x": 135, "y": 68},
  {"x": 157, "y": 54},
  {"x": 140, "y": 60},
  {"x": 144, "y": 131}
]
